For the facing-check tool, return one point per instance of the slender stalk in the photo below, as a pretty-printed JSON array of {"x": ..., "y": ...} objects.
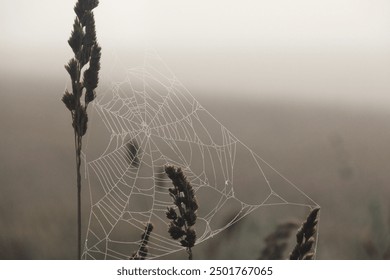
[
  {"x": 78, "y": 171},
  {"x": 78, "y": 147},
  {"x": 87, "y": 52}
]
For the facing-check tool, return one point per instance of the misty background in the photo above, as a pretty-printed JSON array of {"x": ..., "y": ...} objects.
[{"x": 304, "y": 83}]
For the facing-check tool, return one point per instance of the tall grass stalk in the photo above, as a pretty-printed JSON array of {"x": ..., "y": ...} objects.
[{"x": 87, "y": 53}]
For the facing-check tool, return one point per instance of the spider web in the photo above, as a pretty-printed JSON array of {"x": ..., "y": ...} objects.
[{"x": 150, "y": 120}]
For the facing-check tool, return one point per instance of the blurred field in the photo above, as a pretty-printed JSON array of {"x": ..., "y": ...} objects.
[{"x": 336, "y": 154}]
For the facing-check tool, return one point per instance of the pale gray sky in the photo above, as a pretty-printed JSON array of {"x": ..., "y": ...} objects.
[
  {"x": 317, "y": 48},
  {"x": 207, "y": 23}
]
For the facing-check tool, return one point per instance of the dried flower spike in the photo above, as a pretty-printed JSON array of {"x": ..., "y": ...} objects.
[
  {"x": 184, "y": 199},
  {"x": 305, "y": 238},
  {"x": 142, "y": 252}
]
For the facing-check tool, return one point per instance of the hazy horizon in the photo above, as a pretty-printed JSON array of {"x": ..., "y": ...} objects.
[{"x": 307, "y": 51}]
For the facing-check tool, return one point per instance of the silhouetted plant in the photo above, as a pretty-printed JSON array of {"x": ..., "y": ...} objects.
[
  {"x": 305, "y": 238},
  {"x": 276, "y": 243},
  {"x": 182, "y": 222},
  {"x": 142, "y": 252},
  {"x": 132, "y": 153},
  {"x": 84, "y": 82}
]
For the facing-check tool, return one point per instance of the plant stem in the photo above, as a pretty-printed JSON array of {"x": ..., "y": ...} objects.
[{"x": 78, "y": 174}]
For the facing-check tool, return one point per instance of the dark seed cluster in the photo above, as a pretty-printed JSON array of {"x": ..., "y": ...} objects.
[
  {"x": 86, "y": 51},
  {"x": 142, "y": 252},
  {"x": 183, "y": 215},
  {"x": 305, "y": 238}
]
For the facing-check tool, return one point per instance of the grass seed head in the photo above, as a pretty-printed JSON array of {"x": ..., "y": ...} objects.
[{"x": 305, "y": 238}]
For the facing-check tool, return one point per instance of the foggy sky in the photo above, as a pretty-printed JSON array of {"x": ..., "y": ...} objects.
[{"x": 326, "y": 49}]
